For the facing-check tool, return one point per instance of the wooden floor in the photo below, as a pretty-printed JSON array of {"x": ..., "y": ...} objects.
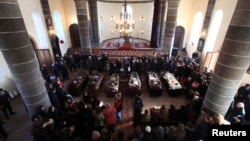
[{"x": 19, "y": 129}]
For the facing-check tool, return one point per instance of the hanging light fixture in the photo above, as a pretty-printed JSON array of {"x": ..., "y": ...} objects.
[{"x": 126, "y": 24}]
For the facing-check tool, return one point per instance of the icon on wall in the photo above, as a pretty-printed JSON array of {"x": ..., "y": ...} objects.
[
  {"x": 201, "y": 44},
  {"x": 49, "y": 23}
]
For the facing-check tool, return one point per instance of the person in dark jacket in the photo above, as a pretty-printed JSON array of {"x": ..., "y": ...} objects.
[
  {"x": 45, "y": 73},
  {"x": 138, "y": 106},
  {"x": 2, "y": 131},
  {"x": 90, "y": 64},
  {"x": 5, "y": 102}
]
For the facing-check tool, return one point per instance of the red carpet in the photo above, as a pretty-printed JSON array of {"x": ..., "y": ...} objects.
[
  {"x": 126, "y": 125},
  {"x": 127, "y": 112}
]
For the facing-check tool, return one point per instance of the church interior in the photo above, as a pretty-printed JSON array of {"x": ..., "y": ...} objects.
[{"x": 131, "y": 70}]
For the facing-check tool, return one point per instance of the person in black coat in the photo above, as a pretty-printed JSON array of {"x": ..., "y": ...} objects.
[
  {"x": 2, "y": 130},
  {"x": 125, "y": 65},
  {"x": 112, "y": 67},
  {"x": 45, "y": 73},
  {"x": 138, "y": 106},
  {"x": 5, "y": 100},
  {"x": 99, "y": 66}
]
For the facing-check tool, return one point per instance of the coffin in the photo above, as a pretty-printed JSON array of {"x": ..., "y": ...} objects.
[
  {"x": 134, "y": 84},
  {"x": 172, "y": 85},
  {"x": 154, "y": 84},
  {"x": 77, "y": 85},
  {"x": 94, "y": 85},
  {"x": 112, "y": 86}
]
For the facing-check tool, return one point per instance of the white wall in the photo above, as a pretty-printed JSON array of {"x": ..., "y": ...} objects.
[
  {"x": 113, "y": 9},
  {"x": 6, "y": 80},
  {"x": 197, "y": 6},
  {"x": 26, "y": 7},
  {"x": 246, "y": 79},
  {"x": 226, "y": 7},
  {"x": 70, "y": 12},
  {"x": 227, "y": 16},
  {"x": 70, "y": 16},
  {"x": 184, "y": 17},
  {"x": 57, "y": 5}
]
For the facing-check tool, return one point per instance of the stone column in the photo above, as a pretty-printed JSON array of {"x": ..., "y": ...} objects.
[
  {"x": 232, "y": 63},
  {"x": 161, "y": 21},
  {"x": 170, "y": 24},
  {"x": 81, "y": 10},
  {"x": 155, "y": 25},
  {"x": 94, "y": 28},
  {"x": 20, "y": 57}
]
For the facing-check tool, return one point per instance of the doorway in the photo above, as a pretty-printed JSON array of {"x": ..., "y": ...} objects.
[
  {"x": 43, "y": 56},
  {"x": 75, "y": 35},
  {"x": 178, "y": 39}
]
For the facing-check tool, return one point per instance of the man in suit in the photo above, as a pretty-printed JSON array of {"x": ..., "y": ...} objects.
[{"x": 5, "y": 103}]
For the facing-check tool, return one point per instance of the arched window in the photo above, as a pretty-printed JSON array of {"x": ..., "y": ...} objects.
[
  {"x": 58, "y": 25},
  {"x": 213, "y": 32},
  {"x": 195, "y": 32},
  {"x": 39, "y": 29}
]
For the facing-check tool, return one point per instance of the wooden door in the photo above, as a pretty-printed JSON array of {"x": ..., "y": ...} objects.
[
  {"x": 75, "y": 35},
  {"x": 178, "y": 37},
  {"x": 43, "y": 56}
]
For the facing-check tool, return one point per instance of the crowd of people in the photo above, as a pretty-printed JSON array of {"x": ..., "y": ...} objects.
[
  {"x": 87, "y": 119},
  {"x": 73, "y": 119}
]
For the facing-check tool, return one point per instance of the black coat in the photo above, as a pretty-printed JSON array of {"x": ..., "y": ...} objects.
[
  {"x": 5, "y": 98},
  {"x": 138, "y": 105}
]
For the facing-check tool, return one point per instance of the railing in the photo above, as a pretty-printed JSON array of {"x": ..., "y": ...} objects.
[{"x": 129, "y": 53}]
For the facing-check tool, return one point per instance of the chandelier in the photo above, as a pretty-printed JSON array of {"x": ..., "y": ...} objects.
[{"x": 126, "y": 24}]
